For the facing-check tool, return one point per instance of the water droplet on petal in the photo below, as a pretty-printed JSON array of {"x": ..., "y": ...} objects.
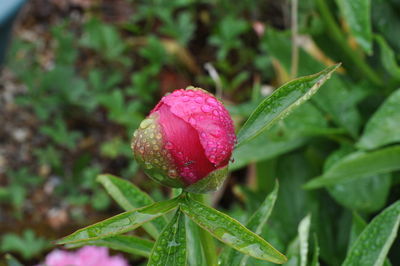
[
  {"x": 198, "y": 99},
  {"x": 192, "y": 121},
  {"x": 169, "y": 145},
  {"x": 185, "y": 98},
  {"x": 212, "y": 101},
  {"x": 206, "y": 108}
]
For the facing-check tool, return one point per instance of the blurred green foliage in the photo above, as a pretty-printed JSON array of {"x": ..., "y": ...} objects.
[{"x": 103, "y": 78}]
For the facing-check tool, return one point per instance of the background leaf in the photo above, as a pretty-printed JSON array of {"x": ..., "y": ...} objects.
[
  {"x": 373, "y": 244},
  {"x": 357, "y": 14},
  {"x": 359, "y": 164},
  {"x": 130, "y": 197},
  {"x": 256, "y": 223},
  {"x": 196, "y": 253},
  {"x": 335, "y": 99},
  {"x": 284, "y": 100},
  {"x": 304, "y": 232},
  {"x": 365, "y": 194},
  {"x": 383, "y": 126}
]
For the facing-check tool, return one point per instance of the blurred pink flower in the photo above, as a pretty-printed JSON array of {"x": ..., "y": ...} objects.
[{"x": 86, "y": 256}]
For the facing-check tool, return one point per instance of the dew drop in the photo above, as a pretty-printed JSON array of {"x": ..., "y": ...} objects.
[
  {"x": 148, "y": 165},
  {"x": 190, "y": 93},
  {"x": 215, "y": 112},
  {"x": 206, "y": 108},
  {"x": 172, "y": 173},
  {"x": 192, "y": 121},
  {"x": 169, "y": 145},
  {"x": 198, "y": 99},
  {"x": 216, "y": 133},
  {"x": 185, "y": 98},
  {"x": 212, "y": 101},
  {"x": 135, "y": 133},
  {"x": 146, "y": 123}
]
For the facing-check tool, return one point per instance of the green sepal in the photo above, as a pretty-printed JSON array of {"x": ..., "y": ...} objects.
[{"x": 210, "y": 183}]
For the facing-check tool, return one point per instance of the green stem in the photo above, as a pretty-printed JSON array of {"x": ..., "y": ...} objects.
[
  {"x": 206, "y": 239},
  {"x": 337, "y": 35}
]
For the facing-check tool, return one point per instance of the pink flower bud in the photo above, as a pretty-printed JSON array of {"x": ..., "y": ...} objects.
[{"x": 186, "y": 141}]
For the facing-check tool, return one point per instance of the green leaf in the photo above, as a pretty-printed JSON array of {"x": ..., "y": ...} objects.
[
  {"x": 366, "y": 194},
  {"x": 335, "y": 99},
  {"x": 121, "y": 223},
  {"x": 11, "y": 261},
  {"x": 170, "y": 247},
  {"x": 130, "y": 197},
  {"x": 304, "y": 232},
  {"x": 256, "y": 223},
  {"x": 230, "y": 231},
  {"x": 315, "y": 261},
  {"x": 287, "y": 135},
  {"x": 279, "y": 104},
  {"x": 372, "y": 246},
  {"x": 383, "y": 127},
  {"x": 196, "y": 253},
  {"x": 129, "y": 244},
  {"x": 388, "y": 58},
  {"x": 357, "y": 14},
  {"x": 358, "y": 225},
  {"x": 359, "y": 164}
]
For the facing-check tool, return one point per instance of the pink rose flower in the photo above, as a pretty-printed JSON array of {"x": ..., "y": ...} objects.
[
  {"x": 186, "y": 141},
  {"x": 86, "y": 256}
]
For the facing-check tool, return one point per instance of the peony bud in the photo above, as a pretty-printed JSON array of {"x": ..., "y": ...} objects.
[{"x": 186, "y": 141}]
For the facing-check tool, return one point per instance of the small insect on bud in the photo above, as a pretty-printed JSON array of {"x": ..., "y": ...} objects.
[{"x": 186, "y": 141}]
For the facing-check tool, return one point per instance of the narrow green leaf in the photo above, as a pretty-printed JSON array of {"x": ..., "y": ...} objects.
[
  {"x": 287, "y": 135},
  {"x": 357, "y": 165},
  {"x": 335, "y": 99},
  {"x": 11, "y": 261},
  {"x": 357, "y": 14},
  {"x": 383, "y": 127},
  {"x": 196, "y": 253},
  {"x": 388, "y": 58},
  {"x": 256, "y": 223},
  {"x": 128, "y": 244},
  {"x": 315, "y": 259},
  {"x": 170, "y": 247},
  {"x": 373, "y": 244},
  {"x": 121, "y": 223},
  {"x": 230, "y": 231},
  {"x": 279, "y": 104},
  {"x": 366, "y": 194},
  {"x": 130, "y": 197},
  {"x": 304, "y": 231},
  {"x": 358, "y": 225}
]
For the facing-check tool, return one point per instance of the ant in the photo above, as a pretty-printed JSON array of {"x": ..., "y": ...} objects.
[{"x": 188, "y": 163}]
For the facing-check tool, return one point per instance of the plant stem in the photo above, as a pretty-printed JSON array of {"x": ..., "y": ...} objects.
[
  {"x": 207, "y": 241},
  {"x": 337, "y": 35},
  {"x": 295, "y": 48}
]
